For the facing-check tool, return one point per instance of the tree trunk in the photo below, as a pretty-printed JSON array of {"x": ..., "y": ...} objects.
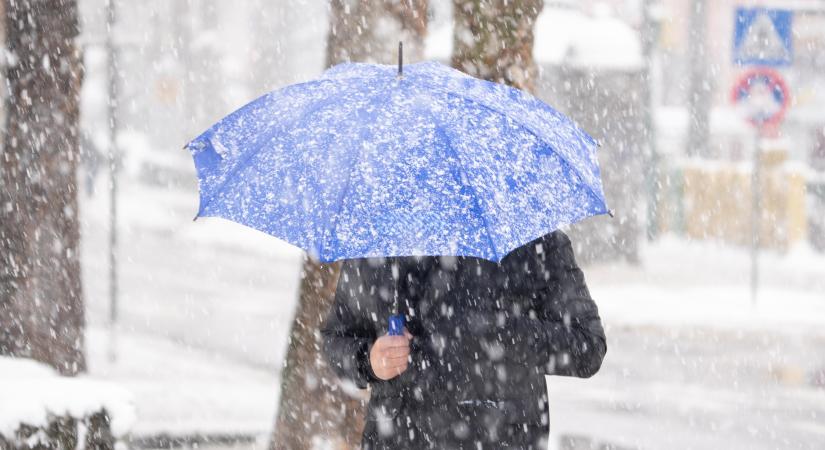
[
  {"x": 312, "y": 405},
  {"x": 369, "y": 30},
  {"x": 493, "y": 40},
  {"x": 41, "y": 307},
  {"x": 315, "y": 407}
]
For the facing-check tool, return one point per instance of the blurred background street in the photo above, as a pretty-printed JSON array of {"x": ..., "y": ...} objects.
[
  {"x": 691, "y": 362},
  {"x": 193, "y": 319}
]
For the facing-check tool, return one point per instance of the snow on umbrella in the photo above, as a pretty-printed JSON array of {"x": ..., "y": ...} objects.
[{"x": 365, "y": 162}]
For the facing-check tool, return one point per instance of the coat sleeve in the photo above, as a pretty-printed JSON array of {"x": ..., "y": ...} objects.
[
  {"x": 347, "y": 338},
  {"x": 563, "y": 335}
]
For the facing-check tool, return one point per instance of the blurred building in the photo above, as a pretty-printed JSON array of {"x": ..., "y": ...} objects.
[
  {"x": 597, "y": 69},
  {"x": 592, "y": 68},
  {"x": 185, "y": 64},
  {"x": 714, "y": 189}
]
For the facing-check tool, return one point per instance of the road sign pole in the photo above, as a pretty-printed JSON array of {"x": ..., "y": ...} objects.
[
  {"x": 756, "y": 214},
  {"x": 762, "y": 37}
]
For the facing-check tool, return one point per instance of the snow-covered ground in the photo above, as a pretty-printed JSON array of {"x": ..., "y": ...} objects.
[
  {"x": 33, "y": 393},
  {"x": 180, "y": 390},
  {"x": 708, "y": 284},
  {"x": 205, "y": 308},
  {"x": 693, "y": 363}
]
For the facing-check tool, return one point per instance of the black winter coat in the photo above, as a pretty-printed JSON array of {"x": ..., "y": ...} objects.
[{"x": 485, "y": 335}]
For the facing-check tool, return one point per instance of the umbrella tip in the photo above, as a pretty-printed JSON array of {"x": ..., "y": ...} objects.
[
  {"x": 400, "y": 58},
  {"x": 195, "y": 218},
  {"x": 610, "y": 213}
]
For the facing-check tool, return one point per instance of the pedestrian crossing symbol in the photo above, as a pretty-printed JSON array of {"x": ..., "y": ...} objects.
[{"x": 763, "y": 37}]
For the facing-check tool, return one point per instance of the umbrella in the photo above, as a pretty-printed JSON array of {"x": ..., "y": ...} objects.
[{"x": 370, "y": 161}]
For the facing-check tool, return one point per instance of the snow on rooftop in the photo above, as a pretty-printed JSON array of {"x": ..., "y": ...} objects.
[
  {"x": 723, "y": 120},
  {"x": 554, "y": 30},
  {"x": 570, "y": 37},
  {"x": 438, "y": 46},
  {"x": 31, "y": 392},
  {"x": 565, "y": 36}
]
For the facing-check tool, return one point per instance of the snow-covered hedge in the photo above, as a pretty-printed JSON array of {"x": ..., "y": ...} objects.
[{"x": 40, "y": 409}]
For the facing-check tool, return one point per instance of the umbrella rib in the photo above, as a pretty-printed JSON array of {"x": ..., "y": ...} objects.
[
  {"x": 252, "y": 152},
  {"x": 441, "y": 131},
  {"x": 321, "y": 246},
  {"x": 526, "y": 127},
  {"x": 330, "y": 225},
  {"x": 332, "y": 221},
  {"x": 245, "y": 158},
  {"x": 268, "y": 96}
]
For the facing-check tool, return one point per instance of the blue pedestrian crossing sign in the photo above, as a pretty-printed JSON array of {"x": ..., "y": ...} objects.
[{"x": 763, "y": 37}]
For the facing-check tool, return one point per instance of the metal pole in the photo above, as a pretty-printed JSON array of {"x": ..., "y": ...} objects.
[
  {"x": 756, "y": 213},
  {"x": 649, "y": 40},
  {"x": 111, "y": 52}
]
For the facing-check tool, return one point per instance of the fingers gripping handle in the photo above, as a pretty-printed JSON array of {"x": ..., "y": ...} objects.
[{"x": 396, "y": 325}]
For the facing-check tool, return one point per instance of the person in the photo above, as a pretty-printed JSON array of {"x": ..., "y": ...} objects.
[{"x": 469, "y": 371}]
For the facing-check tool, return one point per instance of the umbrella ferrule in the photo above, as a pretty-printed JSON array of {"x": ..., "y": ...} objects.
[{"x": 400, "y": 59}]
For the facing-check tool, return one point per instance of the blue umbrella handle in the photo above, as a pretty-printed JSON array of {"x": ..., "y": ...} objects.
[{"x": 396, "y": 325}]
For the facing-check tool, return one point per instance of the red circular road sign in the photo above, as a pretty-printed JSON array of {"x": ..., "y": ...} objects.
[{"x": 762, "y": 95}]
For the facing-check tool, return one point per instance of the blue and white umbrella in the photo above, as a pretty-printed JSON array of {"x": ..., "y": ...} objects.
[{"x": 365, "y": 161}]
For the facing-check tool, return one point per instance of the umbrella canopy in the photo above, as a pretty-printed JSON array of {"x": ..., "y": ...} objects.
[{"x": 365, "y": 162}]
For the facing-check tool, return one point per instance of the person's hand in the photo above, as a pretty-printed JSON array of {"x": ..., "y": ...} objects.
[{"x": 390, "y": 355}]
